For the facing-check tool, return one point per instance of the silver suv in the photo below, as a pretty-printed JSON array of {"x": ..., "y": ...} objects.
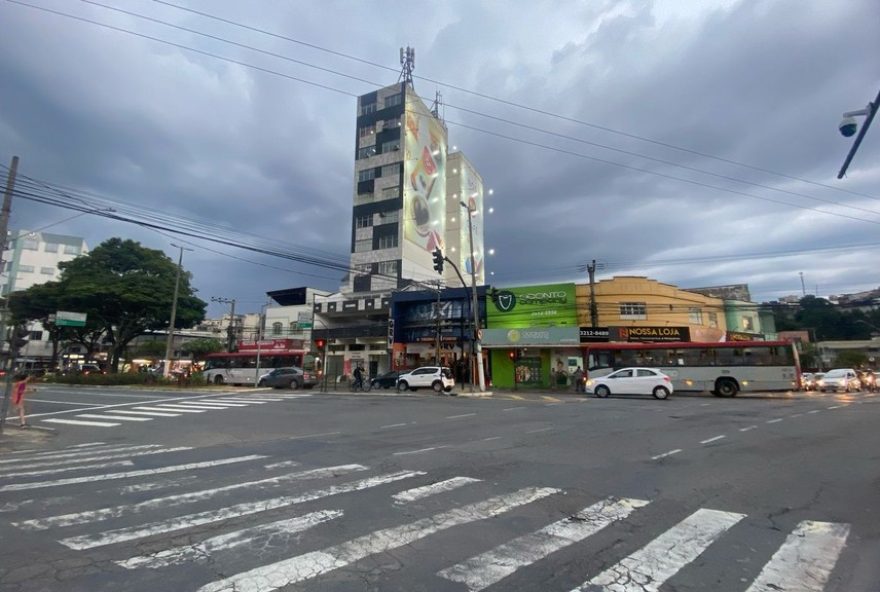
[{"x": 435, "y": 377}]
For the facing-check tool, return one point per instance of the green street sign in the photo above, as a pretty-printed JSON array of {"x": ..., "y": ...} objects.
[{"x": 70, "y": 319}]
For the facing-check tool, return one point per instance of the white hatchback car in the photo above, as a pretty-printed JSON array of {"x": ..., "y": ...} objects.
[
  {"x": 632, "y": 381},
  {"x": 840, "y": 379},
  {"x": 434, "y": 377}
]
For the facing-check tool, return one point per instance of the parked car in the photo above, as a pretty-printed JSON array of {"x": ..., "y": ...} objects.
[
  {"x": 291, "y": 377},
  {"x": 632, "y": 381},
  {"x": 385, "y": 381},
  {"x": 434, "y": 377},
  {"x": 844, "y": 379}
]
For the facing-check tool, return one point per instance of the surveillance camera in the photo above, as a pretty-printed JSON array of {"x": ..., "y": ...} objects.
[{"x": 848, "y": 126}]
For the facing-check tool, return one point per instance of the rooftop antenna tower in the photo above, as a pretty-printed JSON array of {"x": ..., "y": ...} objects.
[{"x": 407, "y": 65}]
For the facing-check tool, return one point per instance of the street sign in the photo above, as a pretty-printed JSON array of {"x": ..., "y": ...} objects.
[{"x": 70, "y": 319}]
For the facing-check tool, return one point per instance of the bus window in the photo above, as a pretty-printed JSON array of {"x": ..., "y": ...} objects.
[{"x": 601, "y": 359}]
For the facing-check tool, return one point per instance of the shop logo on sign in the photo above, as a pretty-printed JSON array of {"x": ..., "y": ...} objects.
[
  {"x": 505, "y": 301},
  {"x": 513, "y": 336}
]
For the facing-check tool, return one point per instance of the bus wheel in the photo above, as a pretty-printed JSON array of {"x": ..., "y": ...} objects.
[
  {"x": 218, "y": 379},
  {"x": 661, "y": 392},
  {"x": 725, "y": 387}
]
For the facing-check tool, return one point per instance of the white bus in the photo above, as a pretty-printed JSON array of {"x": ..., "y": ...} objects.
[
  {"x": 724, "y": 369},
  {"x": 241, "y": 367}
]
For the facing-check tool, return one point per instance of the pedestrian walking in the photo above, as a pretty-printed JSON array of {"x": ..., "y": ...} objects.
[
  {"x": 578, "y": 378},
  {"x": 19, "y": 389}
]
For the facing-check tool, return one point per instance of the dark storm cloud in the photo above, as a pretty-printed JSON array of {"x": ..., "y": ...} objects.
[{"x": 170, "y": 131}]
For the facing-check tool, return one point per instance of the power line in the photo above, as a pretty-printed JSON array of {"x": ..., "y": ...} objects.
[
  {"x": 488, "y": 132},
  {"x": 512, "y": 103}
]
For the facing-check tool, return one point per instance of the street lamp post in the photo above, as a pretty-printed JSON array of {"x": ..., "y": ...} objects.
[
  {"x": 478, "y": 348},
  {"x": 166, "y": 371},
  {"x": 849, "y": 126}
]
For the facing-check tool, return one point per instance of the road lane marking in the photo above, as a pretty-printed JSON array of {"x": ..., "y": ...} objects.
[
  {"x": 173, "y": 408},
  {"x": 417, "y": 493},
  {"x": 805, "y": 560},
  {"x": 154, "y": 485},
  {"x": 705, "y": 404},
  {"x": 153, "y": 400},
  {"x": 665, "y": 454},
  {"x": 224, "y": 405},
  {"x": 177, "y": 523},
  {"x": 553, "y": 404},
  {"x": 109, "y": 455},
  {"x": 246, "y": 536},
  {"x": 420, "y": 450},
  {"x": 268, "y": 578},
  {"x": 715, "y": 439},
  {"x": 242, "y": 401},
  {"x": 517, "y": 397},
  {"x": 103, "y": 465},
  {"x": 178, "y": 499},
  {"x": 281, "y": 465},
  {"x": 488, "y": 568},
  {"x": 65, "y": 403},
  {"x": 814, "y": 411},
  {"x": 748, "y": 428},
  {"x": 130, "y": 474},
  {"x": 795, "y": 414},
  {"x": 490, "y": 438},
  {"x": 52, "y": 455},
  {"x": 150, "y": 413},
  {"x": 314, "y": 435},
  {"x": 835, "y": 407},
  {"x": 460, "y": 416},
  {"x": 112, "y": 417},
  {"x": 539, "y": 430},
  {"x": 648, "y": 568},
  {"x": 549, "y": 398},
  {"x": 198, "y": 406},
  {"x": 80, "y": 422},
  {"x": 777, "y": 420},
  {"x": 512, "y": 408},
  {"x": 392, "y": 425}
]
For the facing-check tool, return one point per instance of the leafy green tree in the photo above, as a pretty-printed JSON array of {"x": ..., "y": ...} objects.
[
  {"x": 199, "y": 348},
  {"x": 126, "y": 290},
  {"x": 150, "y": 349},
  {"x": 851, "y": 359}
]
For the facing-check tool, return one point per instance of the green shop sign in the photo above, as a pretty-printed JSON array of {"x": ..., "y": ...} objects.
[
  {"x": 548, "y": 305},
  {"x": 532, "y": 336}
]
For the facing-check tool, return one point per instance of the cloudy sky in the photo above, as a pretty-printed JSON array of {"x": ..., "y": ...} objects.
[{"x": 739, "y": 101}]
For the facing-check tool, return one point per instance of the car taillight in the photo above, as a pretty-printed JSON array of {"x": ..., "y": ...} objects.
[{"x": 667, "y": 379}]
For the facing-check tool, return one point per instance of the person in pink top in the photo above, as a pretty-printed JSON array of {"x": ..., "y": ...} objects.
[{"x": 19, "y": 388}]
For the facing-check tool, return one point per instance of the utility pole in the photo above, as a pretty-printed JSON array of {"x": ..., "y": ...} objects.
[
  {"x": 803, "y": 285},
  {"x": 230, "y": 331},
  {"x": 477, "y": 345},
  {"x": 594, "y": 310},
  {"x": 166, "y": 371},
  {"x": 4, "y": 232},
  {"x": 437, "y": 318}
]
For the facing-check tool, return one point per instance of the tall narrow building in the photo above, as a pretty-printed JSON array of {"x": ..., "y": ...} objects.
[{"x": 407, "y": 197}]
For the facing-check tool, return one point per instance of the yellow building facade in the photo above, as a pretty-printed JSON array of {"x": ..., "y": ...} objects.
[{"x": 636, "y": 308}]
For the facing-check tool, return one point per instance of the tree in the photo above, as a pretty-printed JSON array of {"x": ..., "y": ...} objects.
[
  {"x": 126, "y": 290},
  {"x": 150, "y": 349},
  {"x": 37, "y": 304},
  {"x": 199, "y": 348},
  {"x": 850, "y": 358}
]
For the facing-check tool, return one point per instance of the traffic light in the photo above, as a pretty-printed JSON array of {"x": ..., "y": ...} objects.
[
  {"x": 18, "y": 338},
  {"x": 320, "y": 343},
  {"x": 438, "y": 261}
]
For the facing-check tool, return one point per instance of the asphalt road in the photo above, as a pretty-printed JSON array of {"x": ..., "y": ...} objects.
[{"x": 270, "y": 490}]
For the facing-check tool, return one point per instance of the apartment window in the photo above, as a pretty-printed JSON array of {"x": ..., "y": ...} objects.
[
  {"x": 51, "y": 247},
  {"x": 366, "y": 174},
  {"x": 362, "y": 246},
  {"x": 26, "y": 268},
  {"x": 695, "y": 316},
  {"x": 47, "y": 270},
  {"x": 367, "y": 130},
  {"x": 748, "y": 324},
  {"x": 633, "y": 311},
  {"x": 277, "y": 328},
  {"x": 389, "y": 241},
  {"x": 363, "y": 269},
  {"x": 389, "y": 217},
  {"x": 713, "y": 320},
  {"x": 394, "y": 100},
  {"x": 293, "y": 327},
  {"x": 30, "y": 244},
  {"x": 390, "y": 123},
  {"x": 388, "y": 268},
  {"x": 35, "y": 335},
  {"x": 363, "y": 221},
  {"x": 390, "y": 146},
  {"x": 391, "y": 170},
  {"x": 366, "y": 152},
  {"x": 368, "y": 108},
  {"x": 391, "y": 192},
  {"x": 71, "y": 249}
]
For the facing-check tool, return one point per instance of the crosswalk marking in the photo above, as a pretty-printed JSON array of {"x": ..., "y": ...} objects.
[
  {"x": 649, "y": 567},
  {"x": 310, "y": 565},
  {"x": 130, "y": 474},
  {"x": 282, "y": 464},
  {"x": 199, "y": 406},
  {"x": 102, "y": 457},
  {"x": 223, "y": 542},
  {"x": 168, "y": 407},
  {"x": 805, "y": 560},
  {"x": 179, "y": 499},
  {"x": 81, "y": 422},
  {"x": 242, "y": 401},
  {"x": 488, "y": 568},
  {"x": 53, "y": 471},
  {"x": 113, "y": 417},
  {"x": 43, "y": 456},
  {"x": 220, "y": 403},
  {"x": 417, "y": 493},
  {"x": 119, "y": 535},
  {"x": 149, "y": 413}
]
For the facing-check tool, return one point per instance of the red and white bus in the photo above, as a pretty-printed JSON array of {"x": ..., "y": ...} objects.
[
  {"x": 725, "y": 369},
  {"x": 251, "y": 361}
]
